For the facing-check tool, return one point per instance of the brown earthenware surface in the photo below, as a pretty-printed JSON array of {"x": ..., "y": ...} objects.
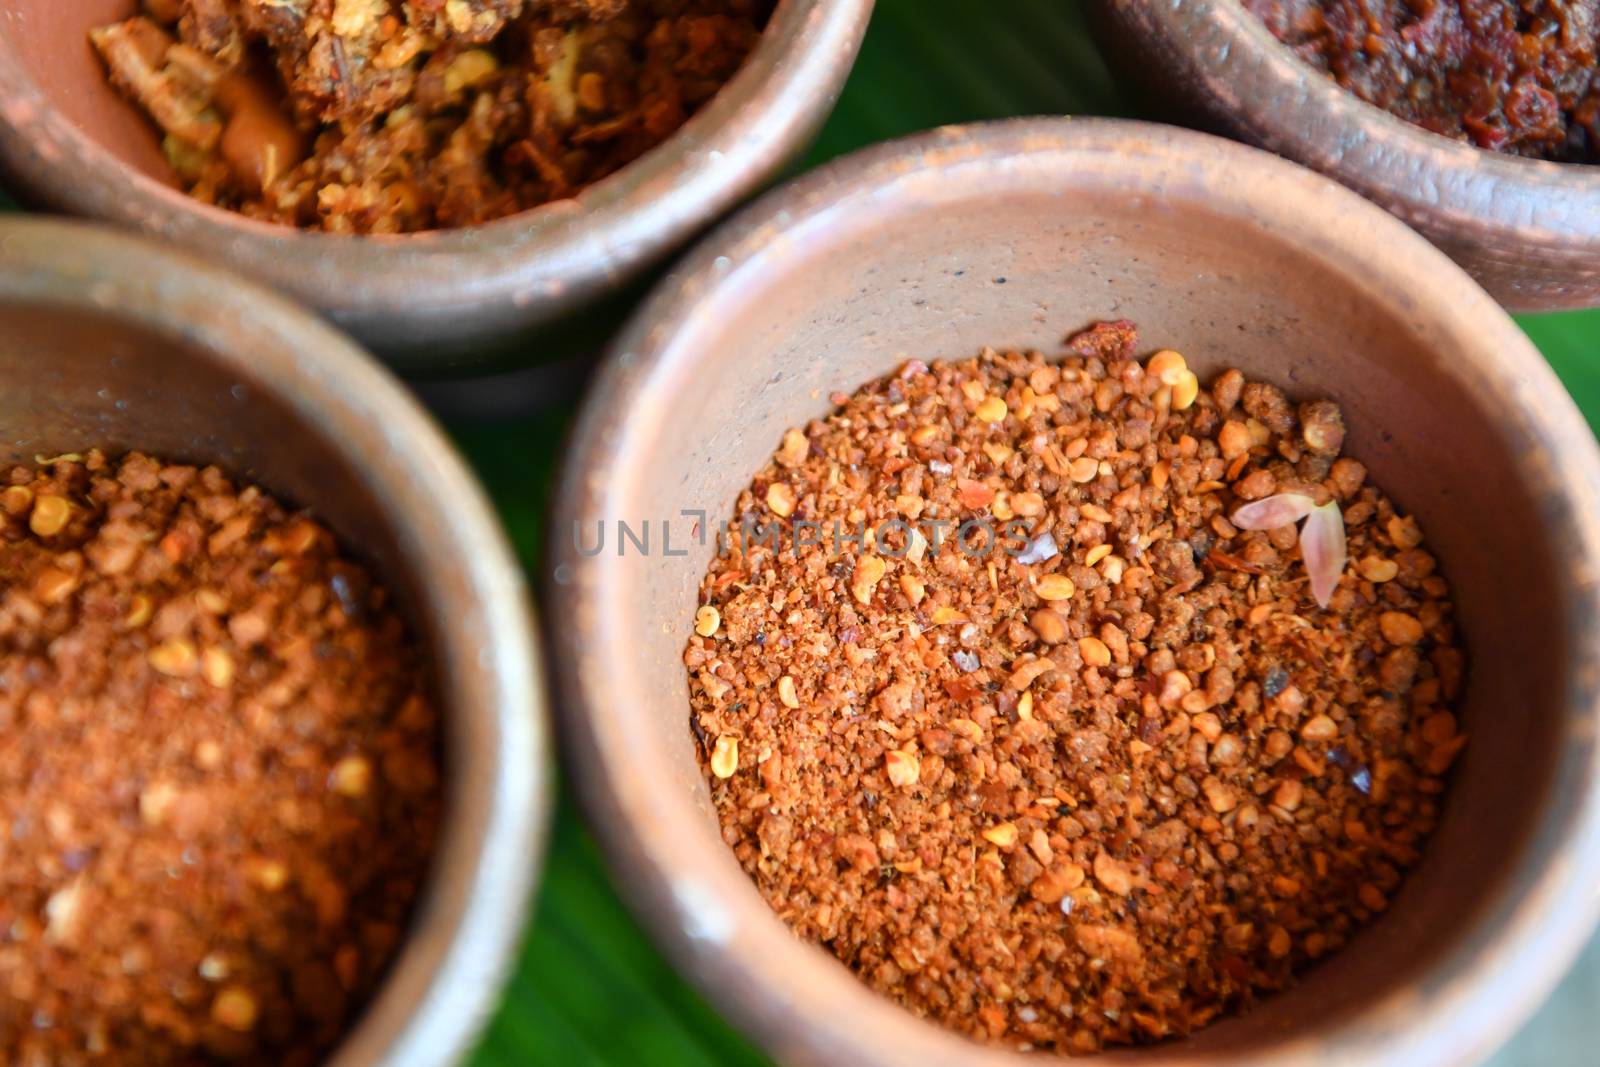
[
  {"x": 109, "y": 341},
  {"x": 1528, "y": 230},
  {"x": 1013, "y": 235},
  {"x": 428, "y": 302}
]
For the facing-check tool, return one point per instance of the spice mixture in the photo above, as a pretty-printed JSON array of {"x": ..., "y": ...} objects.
[
  {"x": 390, "y": 116},
  {"x": 1516, "y": 76},
  {"x": 1114, "y": 777},
  {"x": 219, "y": 777}
]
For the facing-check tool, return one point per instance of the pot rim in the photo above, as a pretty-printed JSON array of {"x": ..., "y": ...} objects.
[
  {"x": 538, "y": 262},
  {"x": 431, "y": 1004},
  {"x": 798, "y": 1003}
]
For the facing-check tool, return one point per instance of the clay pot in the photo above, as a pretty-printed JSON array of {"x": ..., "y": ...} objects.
[
  {"x": 1528, "y": 230},
  {"x": 1015, "y": 235},
  {"x": 110, "y": 341},
  {"x": 430, "y": 303}
]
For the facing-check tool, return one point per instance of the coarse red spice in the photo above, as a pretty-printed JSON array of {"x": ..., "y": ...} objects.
[
  {"x": 1108, "y": 790},
  {"x": 219, "y": 772},
  {"x": 391, "y": 116}
]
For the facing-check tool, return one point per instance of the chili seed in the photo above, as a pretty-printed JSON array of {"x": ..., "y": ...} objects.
[
  {"x": 786, "y": 692},
  {"x": 1167, "y": 366},
  {"x": 50, "y": 515},
  {"x": 781, "y": 499},
  {"x": 1094, "y": 652},
  {"x": 352, "y": 777},
  {"x": 1377, "y": 569},
  {"x": 992, "y": 410},
  {"x": 707, "y": 620},
  {"x": 1054, "y": 587},
  {"x": 234, "y": 1008},
  {"x": 176, "y": 658},
  {"x": 903, "y": 768},
  {"x": 217, "y": 666},
  {"x": 725, "y": 757},
  {"x": 1184, "y": 391},
  {"x": 1399, "y": 628}
]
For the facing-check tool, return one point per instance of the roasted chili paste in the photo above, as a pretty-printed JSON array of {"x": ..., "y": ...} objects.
[
  {"x": 389, "y": 116},
  {"x": 1509, "y": 76}
]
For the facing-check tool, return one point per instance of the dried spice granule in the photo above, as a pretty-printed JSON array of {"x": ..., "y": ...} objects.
[
  {"x": 392, "y": 116},
  {"x": 219, "y": 772},
  {"x": 1104, "y": 789}
]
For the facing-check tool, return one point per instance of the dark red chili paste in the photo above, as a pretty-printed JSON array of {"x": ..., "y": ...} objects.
[{"x": 1513, "y": 76}]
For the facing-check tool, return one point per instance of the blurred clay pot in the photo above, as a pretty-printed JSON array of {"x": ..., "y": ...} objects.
[
  {"x": 110, "y": 341},
  {"x": 1528, "y": 230},
  {"x": 448, "y": 300}
]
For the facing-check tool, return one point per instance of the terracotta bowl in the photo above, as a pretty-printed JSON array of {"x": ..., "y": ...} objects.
[
  {"x": 110, "y": 341},
  {"x": 1014, "y": 235},
  {"x": 1528, "y": 230},
  {"x": 428, "y": 302}
]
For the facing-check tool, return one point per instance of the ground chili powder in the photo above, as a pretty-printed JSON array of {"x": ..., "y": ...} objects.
[
  {"x": 219, "y": 773},
  {"x": 1111, "y": 788}
]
